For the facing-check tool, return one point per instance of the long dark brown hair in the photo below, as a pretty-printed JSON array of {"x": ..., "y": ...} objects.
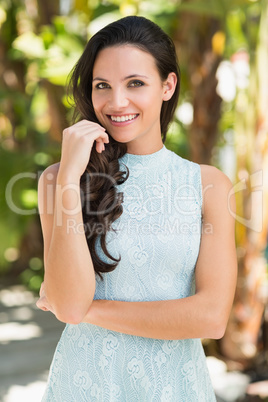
[{"x": 101, "y": 202}]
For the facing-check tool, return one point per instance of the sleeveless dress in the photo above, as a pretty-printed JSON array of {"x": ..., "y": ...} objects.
[{"x": 158, "y": 239}]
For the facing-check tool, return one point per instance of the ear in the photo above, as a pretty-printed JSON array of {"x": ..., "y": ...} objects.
[{"x": 169, "y": 86}]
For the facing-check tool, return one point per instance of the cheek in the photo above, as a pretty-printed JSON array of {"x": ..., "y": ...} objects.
[
  {"x": 142, "y": 103},
  {"x": 151, "y": 101}
]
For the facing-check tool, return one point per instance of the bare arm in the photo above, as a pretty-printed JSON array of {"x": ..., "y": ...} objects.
[
  {"x": 69, "y": 281},
  {"x": 205, "y": 314}
]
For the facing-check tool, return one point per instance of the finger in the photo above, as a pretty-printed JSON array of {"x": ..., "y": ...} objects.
[
  {"x": 94, "y": 124},
  {"x": 88, "y": 123},
  {"x": 93, "y": 132},
  {"x": 40, "y": 306},
  {"x": 99, "y": 146},
  {"x": 96, "y": 134},
  {"x": 82, "y": 130},
  {"x": 43, "y": 307},
  {"x": 43, "y": 304}
]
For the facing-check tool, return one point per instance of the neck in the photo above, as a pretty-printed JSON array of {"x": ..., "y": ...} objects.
[{"x": 145, "y": 148}]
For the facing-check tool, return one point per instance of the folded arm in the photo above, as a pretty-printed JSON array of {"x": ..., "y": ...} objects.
[{"x": 205, "y": 314}]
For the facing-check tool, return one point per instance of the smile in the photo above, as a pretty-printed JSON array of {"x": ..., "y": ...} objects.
[{"x": 123, "y": 118}]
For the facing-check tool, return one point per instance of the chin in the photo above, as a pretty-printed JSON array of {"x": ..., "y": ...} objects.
[{"x": 121, "y": 139}]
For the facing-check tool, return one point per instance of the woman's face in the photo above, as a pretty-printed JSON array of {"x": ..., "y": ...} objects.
[{"x": 127, "y": 95}]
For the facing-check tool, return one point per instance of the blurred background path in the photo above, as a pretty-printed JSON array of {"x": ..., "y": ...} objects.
[{"x": 28, "y": 337}]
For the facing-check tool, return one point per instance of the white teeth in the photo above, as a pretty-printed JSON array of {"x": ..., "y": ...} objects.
[{"x": 123, "y": 118}]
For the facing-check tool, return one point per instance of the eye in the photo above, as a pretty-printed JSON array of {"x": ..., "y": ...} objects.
[
  {"x": 136, "y": 83},
  {"x": 102, "y": 85}
]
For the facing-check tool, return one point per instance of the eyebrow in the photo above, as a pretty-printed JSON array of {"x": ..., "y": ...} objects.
[{"x": 126, "y": 78}]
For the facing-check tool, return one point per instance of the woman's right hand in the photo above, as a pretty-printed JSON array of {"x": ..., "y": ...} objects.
[
  {"x": 42, "y": 302},
  {"x": 77, "y": 144}
]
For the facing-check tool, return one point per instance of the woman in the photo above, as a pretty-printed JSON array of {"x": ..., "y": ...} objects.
[{"x": 147, "y": 266}]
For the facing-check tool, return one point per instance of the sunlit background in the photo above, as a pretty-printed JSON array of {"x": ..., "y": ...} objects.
[{"x": 221, "y": 119}]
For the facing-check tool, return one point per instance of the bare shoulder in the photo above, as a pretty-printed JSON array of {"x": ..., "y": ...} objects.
[
  {"x": 217, "y": 189},
  {"x": 210, "y": 175}
]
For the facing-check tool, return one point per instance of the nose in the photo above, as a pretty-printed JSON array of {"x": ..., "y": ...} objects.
[{"x": 118, "y": 100}]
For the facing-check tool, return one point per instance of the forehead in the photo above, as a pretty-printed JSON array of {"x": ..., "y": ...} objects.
[{"x": 124, "y": 59}]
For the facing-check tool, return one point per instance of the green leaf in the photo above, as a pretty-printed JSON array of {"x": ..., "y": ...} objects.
[
  {"x": 68, "y": 43},
  {"x": 48, "y": 37},
  {"x": 30, "y": 45},
  {"x": 56, "y": 69}
]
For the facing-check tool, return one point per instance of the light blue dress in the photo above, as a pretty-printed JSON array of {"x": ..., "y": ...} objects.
[{"x": 158, "y": 238}]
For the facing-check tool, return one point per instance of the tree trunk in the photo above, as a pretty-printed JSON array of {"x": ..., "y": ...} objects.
[
  {"x": 47, "y": 10},
  {"x": 194, "y": 40}
]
